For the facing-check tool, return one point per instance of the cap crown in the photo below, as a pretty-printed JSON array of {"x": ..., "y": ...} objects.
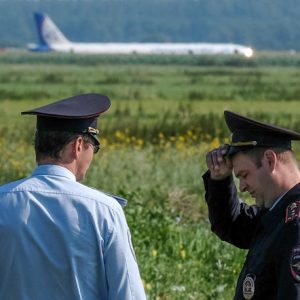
[
  {"x": 247, "y": 132},
  {"x": 75, "y": 114},
  {"x": 76, "y": 107}
]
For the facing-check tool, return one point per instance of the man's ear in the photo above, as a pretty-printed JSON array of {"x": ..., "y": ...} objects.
[
  {"x": 78, "y": 146},
  {"x": 270, "y": 159}
]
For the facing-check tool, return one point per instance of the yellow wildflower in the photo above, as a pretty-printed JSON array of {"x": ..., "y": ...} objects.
[
  {"x": 183, "y": 254},
  {"x": 154, "y": 252}
]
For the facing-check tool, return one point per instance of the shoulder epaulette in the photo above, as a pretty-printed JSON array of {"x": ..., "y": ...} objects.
[
  {"x": 292, "y": 212},
  {"x": 122, "y": 201}
]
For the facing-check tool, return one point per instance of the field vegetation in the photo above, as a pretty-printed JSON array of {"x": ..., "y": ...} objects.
[{"x": 166, "y": 113}]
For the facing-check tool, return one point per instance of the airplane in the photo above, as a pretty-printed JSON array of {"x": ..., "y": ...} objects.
[{"x": 52, "y": 39}]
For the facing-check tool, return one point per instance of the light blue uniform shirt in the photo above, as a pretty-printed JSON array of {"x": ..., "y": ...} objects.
[{"x": 61, "y": 240}]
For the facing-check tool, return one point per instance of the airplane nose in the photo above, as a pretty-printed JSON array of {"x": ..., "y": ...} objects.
[{"x": 248, "y": 52}]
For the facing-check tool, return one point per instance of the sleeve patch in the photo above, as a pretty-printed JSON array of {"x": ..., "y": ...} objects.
[
  {"x": 295, "y": 263},
  {"x": 292, "y": 212}
]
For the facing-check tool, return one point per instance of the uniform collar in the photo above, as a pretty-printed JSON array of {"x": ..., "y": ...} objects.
[
  {"x": 54, "y": 170},
  {"x": 277, "y": 214},
  {"x": 276, "y": 202}
]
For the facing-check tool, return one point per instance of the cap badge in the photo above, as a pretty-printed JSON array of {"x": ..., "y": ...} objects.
[
  {"x": 93, "y": 130},
  {"x": 248, "y": 287}
]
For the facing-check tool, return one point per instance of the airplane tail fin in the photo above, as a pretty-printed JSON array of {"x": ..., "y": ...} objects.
[{"x": 48, "y": 32}]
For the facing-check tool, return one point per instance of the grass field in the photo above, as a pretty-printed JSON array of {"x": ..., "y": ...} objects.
[{"x": 166, "y": 114}]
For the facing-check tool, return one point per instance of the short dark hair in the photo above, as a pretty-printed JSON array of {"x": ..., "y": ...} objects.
[
  {"x": 257, "y": 153},
  {"x": 49, "y": 144}
]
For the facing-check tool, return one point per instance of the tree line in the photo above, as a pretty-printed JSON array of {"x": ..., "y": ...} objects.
[{"x": 265, "y": 24}]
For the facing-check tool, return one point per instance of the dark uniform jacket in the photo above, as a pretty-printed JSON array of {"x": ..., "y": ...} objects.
[{"x": 272, "y": 266}]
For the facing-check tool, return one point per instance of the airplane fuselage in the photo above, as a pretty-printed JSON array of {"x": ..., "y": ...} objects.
[
  {"x": 151, "y": 48},
  {"x": 52, "y": 39}
]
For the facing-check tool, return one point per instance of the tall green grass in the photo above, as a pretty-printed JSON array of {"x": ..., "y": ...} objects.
[
  {"x": 143, "y": 81},
  {"x": 166, "y": 113}
]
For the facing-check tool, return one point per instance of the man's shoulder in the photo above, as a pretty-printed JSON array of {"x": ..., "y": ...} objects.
[
  {"x": 76, "y": 191},
  {"x": 292, "y": 212},
  {"x": 10, "y": 186},
  {"x": 291, "y": 205},
  {"x": 100, "y": 197}
]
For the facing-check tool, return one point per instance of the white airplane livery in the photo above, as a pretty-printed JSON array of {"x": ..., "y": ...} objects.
[{"x": 52, "y": 39}]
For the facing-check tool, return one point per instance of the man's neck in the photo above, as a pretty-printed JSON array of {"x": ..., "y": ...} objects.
[{"x": 283, "y": 184}]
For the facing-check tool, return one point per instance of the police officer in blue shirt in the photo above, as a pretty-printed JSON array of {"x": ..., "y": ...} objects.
[
  {"x": 261, "y": 158},
  {"x": 61, "y": 240}
]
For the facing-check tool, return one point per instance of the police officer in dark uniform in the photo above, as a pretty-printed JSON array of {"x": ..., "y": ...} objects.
[{"x": 260, "y": 157}]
